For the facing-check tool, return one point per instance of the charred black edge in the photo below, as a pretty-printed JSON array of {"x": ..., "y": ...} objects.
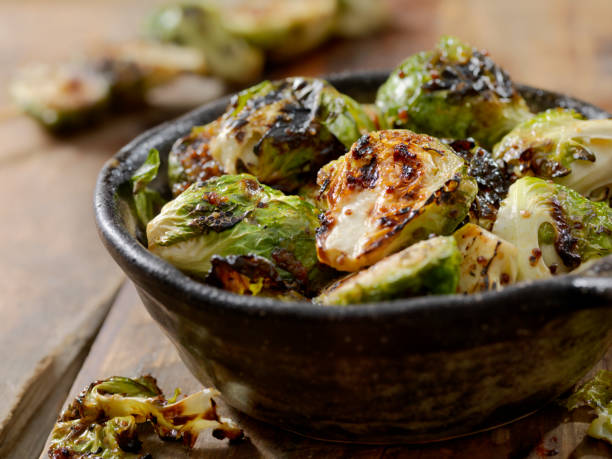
[
  {"x": 565, "y": 243},
  {"x": 478, "y": 75},
  {"x": 146, "y": 269}
]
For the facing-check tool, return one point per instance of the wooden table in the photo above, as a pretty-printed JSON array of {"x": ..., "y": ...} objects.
[{"x": 63, "y": 324}]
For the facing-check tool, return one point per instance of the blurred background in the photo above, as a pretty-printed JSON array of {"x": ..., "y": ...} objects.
[
  {"x": 56, "y": 281},
  {"x": 557, "y": 44}
]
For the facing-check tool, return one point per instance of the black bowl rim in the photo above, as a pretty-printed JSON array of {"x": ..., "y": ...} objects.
[{"x": 128, "y": 251}]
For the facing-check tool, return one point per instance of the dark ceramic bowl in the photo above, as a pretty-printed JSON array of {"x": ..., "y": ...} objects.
[{"x": 411, "y": 370}]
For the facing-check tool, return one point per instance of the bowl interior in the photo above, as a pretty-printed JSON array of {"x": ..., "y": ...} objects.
[{"x": 119, "y": 232}]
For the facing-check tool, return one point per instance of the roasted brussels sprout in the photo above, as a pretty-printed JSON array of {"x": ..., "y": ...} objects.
[
  {"x": 561, "y": 145},
  {"x": 554, "y": 228},
  {"x": 284, "y": 29},
  {"x": 189, "y": 160},
  {"x": 493, "y": 182},
  {"x": 65, "y": 97},
  {"x": 62, "y": 97},
  {"x": 101, "y": 422},
  {"x": 430, "y": 266},
  {"x": 393, "y": 188},
  {"x": 199, "y": 25},
  {"x": 283, "y": 131},
  {"x": 488, "y": 262},
  {"x": 233, "y": 226},
  {"x": 454, "y": 91}
]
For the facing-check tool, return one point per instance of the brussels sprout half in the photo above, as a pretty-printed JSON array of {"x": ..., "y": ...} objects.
[
  {"x": 284, "y": 29},
  {"x": 488, "y": 262},
  {"x": 102, "y": 421},
  {"x": 430, "y": 266},
  {"x": 62, "y": 97},
  {"x": 234, "y": 224},
  {"x": 493, "y": 182},
  {"x": 199, "y": 26},
  {"x": 561, "y": 145},
  {"x": 393, "y": 188},
  {"x": 554, "y": 228},
  {"x": 453, "y": 91},
  {"x": 283, "y": 131}
]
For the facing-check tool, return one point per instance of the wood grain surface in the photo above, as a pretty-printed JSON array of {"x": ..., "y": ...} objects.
[
  {"x": 131, "y": 344},
  {"x": 56, "y": 280}
]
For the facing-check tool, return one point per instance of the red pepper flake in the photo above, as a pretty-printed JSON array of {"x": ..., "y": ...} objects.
[{"x": 535, "y": 256}]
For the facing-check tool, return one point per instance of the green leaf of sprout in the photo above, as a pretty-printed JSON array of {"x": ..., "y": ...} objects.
[{"x": 147, "y": 172}]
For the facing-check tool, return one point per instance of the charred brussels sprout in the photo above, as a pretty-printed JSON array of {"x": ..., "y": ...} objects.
[
  {"x": 199, "y": 25},
  {"x": 284, "y": 29},
  {"x": 101, "y": 422},
  {"x": 430, "y": 266},
  {"x": 554, "y": 228},
  {"x": 62, "y": 98},
  {"x": 492, "y": 180},
  {"x": 283, "y": 131},
  {"x": 453, "y": 91},
  {"x": 241, "y": 235},
  {"x": 561, "y": 145},
  {"x": 393, "y": 188},
  {"x": 488, "y": 262},
  {"x": 65, "y": 97},
  {"x": 189, "y": 160}
]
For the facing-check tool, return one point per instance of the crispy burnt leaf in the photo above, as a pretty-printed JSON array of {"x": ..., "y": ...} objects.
[
  {"x": 491, "y": 178},
  {"x": 189, "y": 160}
]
